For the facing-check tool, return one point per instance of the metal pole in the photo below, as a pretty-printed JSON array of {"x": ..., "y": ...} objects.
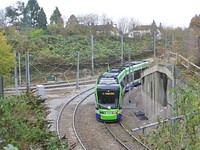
[
  {"x": 173, "y": 102},
  {"x": 154, "y": 124},
  {"x": 172, "y": 41},
  {"x": 19, "y": 65},
  {"x": 154, "y": 44},
  {"x": 129, "y": 64},
  {"x": 15, "y": 74},
  {"x": 77, "y": 72},
  {"x": 92, "y": 47},
  {"x": 165, "y": 47},
  {"x": 129, "y": 73},
  {"x": 27, "y": 72},
  {"x": 122, "y": 50}
]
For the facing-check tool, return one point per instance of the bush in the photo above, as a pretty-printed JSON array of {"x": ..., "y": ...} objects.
[
  {"x": 184, "y": 133},
  {"x": 23, "y": 124}
]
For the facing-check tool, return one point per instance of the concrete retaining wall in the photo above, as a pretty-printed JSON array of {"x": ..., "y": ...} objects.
[{"x": 157, "y": 82}]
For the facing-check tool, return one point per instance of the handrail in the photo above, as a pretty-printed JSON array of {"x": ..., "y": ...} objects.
[{"x": 188, "y": 62}]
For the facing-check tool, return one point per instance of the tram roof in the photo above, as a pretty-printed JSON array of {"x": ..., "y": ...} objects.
[
  {"x": 110, "y": 74},
  {"x": 108, "y": 81}
]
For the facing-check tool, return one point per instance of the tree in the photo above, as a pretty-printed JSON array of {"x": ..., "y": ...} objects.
[
  {"x": 195, "y": 22},
  {"x": 88, "y": 19},
  {"x": 72, "y": 20},
  {"x": 32, "y": 12},
  {"x": 15, "y": 14},
  {"x": 42, "y": 19},
  {"x": 2, "y": 19},
  {"x": 104, "y": 19},
  {"x": 72, "y": 24},
  {"x": 22, "y": 16},
  {"x": 6, "y": 56},
  {"x": 124, "y": 25},
  {"x": 56, "y": 17}
]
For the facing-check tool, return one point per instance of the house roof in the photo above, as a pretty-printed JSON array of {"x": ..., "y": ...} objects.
[{"x": 150, "y": 27}]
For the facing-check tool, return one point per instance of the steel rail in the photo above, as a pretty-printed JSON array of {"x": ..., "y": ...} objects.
[
  {"x": 53, "y": 85},
  {"x": 134, "y": 137},
  {"x": 115, "y": 137},
  {"x": 74, "y": 115},
  {"x": 60, "y": 113}
]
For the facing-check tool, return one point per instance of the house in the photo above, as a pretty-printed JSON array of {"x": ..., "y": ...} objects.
[
  {"x": 140, "y": 31},
  {"x": 109, "y": 28}
]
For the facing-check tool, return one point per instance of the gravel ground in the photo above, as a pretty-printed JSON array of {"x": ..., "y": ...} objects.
[
  {"x": 93, "y": 133},
  {"x": 57, "y": 98}
]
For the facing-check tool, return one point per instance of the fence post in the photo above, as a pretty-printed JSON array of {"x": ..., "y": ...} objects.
[
  {"x": 188, "y": 63},
  {"x": 168, "y": 57}
]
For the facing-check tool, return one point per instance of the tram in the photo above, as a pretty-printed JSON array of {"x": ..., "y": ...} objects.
[{"x": 112, "y": 85}]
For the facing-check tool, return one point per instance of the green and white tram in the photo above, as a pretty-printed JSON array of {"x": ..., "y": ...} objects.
[{"x": 111, "y": 87}]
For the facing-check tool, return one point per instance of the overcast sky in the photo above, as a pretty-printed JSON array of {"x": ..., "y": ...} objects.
[{"x": 173, "y": 13}]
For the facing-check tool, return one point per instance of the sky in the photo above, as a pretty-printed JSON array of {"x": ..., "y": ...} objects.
[{"x": 170, "y": 13}]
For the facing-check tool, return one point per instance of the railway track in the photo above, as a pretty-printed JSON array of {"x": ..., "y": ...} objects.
[
  {"x": 66, "y": 121},
  {"x": 134, "y": 137},
  {"x": 52, "y": 85},
  {"x": 76, "y": 122},
  {"x": 122, "y": 131},
  {"x": 124, "y": 137}
]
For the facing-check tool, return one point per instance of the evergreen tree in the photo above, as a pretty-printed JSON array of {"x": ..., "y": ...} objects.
[
  {"x": 56, "y": 17},
  {"x": 72, "y": 25},
  {"x": 42, "y": 19},
  {"x": 32, "y": 12},
  {"x": 15, "y": 14},
  {"x": 72, "y": 20}
]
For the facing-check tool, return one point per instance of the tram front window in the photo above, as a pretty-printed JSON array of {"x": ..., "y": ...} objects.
[{"x": 108, "y": 99}]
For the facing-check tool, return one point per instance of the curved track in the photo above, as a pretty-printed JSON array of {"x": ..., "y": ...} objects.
[
  {"x": 85, "y": 132},
  {"x": 134, "y": 137},
  {"x": 66, "y": 121},
  {"x": 74, "y": 115},
  {"x": 124, "y": 137},
  {"x": 116, "y": 137}
]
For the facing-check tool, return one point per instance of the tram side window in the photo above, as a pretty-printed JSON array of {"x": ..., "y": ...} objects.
[
  {"x": 137, "y": 74},
  {"x": 126, "y": 78}
]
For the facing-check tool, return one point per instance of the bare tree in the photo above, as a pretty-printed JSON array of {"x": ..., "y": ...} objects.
[
  {"x": 88, "y": 19},
  {"x": 123, "y": 25},
  {"x": 104, "y": 19}
]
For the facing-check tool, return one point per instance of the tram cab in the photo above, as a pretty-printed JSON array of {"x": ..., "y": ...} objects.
[{"x": 108, "y": 100}]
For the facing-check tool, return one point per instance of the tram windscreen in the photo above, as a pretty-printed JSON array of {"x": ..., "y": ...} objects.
[{"x": 108, "y": 99}]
